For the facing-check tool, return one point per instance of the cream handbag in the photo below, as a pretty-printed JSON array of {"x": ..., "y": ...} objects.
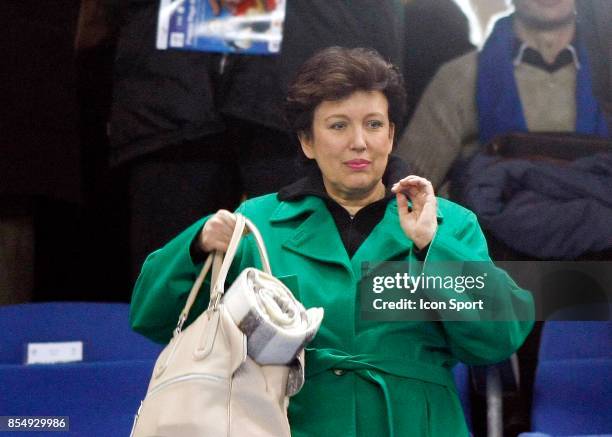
[{"x": 231, "y": 372}]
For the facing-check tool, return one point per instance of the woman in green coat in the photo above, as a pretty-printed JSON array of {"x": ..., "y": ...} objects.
[{"x": 363, "y": 377}]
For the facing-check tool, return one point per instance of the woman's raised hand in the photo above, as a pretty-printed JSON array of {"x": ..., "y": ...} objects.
[
  {"x": 217, "y": 232},
  {"x": 418, "y": 222}
]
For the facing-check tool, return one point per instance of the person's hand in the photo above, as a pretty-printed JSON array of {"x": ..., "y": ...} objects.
[
  {"x": 217, "y": 5},
  {"x": 217, "y": 232},
  {"x": 420, "y": 222}
]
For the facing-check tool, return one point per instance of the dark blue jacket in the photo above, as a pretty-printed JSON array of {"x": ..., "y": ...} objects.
[{"x": 543, "y": 209}]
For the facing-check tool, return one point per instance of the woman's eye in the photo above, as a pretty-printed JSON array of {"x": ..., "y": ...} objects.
[
  {"x": 338, "y": 125},
  {"x": 375, "y": 124}
]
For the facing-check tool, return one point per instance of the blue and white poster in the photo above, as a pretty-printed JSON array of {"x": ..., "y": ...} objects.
[{"x": 247, "y": 26}]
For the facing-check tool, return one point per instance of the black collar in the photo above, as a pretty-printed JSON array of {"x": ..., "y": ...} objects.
[
  {"x": 312, "y": 183},
  {"x": 522, "y": 53}
]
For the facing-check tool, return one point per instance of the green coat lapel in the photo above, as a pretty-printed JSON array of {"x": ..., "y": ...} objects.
[
  {"x": 317, "y": 236},
  {"x": 386, "y": 242}
]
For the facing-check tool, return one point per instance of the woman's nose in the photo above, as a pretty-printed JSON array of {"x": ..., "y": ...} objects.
[{"x": 358, "y": 141}]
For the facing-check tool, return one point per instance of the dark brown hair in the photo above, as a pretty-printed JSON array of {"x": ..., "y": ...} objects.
[{"x": 335, "y": 73}]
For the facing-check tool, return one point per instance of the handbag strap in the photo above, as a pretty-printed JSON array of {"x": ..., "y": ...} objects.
[
  {"x": 218, "y": 288},
  {"x": 213, "y": 259},
  {"x": 221, "y": 264}
]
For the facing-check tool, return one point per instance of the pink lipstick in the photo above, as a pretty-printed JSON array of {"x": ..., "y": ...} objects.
[{"x": 357, "y": 164}]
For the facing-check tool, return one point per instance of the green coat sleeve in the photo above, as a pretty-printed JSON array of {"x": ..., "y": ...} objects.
[
  {"x": 164, "y": 283},
  {"x": 471, "y": 339}
]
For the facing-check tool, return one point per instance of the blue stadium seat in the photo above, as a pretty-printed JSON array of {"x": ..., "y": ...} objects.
[
  {"x": 101, "y": 394},
  {"x": 573, "y": 386},
  {"x": 103, "y": 327},
  {"x": 575, "y": 340},
  {"x": 100, "y": 399},
  {"x": 541, "y": 434},
  {"x": 461, "y": 374}
]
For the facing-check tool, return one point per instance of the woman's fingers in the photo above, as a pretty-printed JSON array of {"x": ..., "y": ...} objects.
[
  {"x": 416, "y": 184},
  {"x": 227, "y": 218},
  {"x": 420, "y": 222},
  {"x": 402, "y": 205},
  {"x": 217, "y": 231},
  {"x": 419, "y": 190}
]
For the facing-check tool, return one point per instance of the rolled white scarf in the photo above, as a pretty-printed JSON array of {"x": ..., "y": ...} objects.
[{"x": 276, "y": 324}]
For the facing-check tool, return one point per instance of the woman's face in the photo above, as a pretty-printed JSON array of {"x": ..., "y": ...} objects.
[{"x": 351, "y": 140}]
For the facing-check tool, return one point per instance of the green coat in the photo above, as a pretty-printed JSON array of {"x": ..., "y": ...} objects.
[{"x": 364, "y": 378}]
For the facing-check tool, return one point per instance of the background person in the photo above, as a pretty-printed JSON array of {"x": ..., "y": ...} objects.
[{"x": 533, "y": 74}]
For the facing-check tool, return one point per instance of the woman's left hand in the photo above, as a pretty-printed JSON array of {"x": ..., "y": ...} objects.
[{"x": 419, "y": 222}]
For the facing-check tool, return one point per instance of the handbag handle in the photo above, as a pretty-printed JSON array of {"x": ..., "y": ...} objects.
[
  {"x": 241, "y": 223},
  {"x": 221, "y": 264}
]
